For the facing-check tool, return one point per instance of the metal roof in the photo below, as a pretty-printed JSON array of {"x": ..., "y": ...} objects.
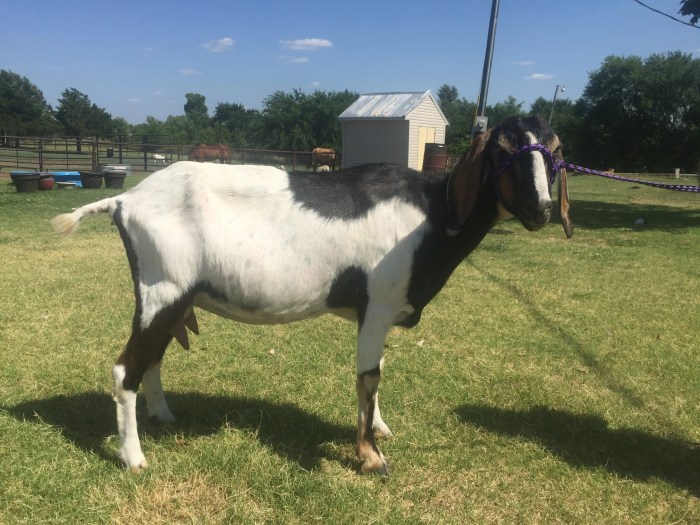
[{"x": 386, "y": 106}]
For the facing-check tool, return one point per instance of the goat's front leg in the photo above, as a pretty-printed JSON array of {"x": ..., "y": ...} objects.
[
  {"x": 369, "y": 359},
  {"x": 381, "y": 430}
]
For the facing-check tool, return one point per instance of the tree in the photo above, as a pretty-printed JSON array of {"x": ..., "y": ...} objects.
[
  {"x": 691, "y": 8},
  {"x": 642, "y": 114},
  {"x": 23, "y": 109},
  {"x": 80, "y": 118},
  {"x": 240, "y": 123},
  {"x": 565, "y": 122},
  {"x": 460, "y": 114},
  {"x": 196, "y": 109},
  {"x": 120, "y": 128},
  {"x": 300, "y": 122},
  {"x": 502, "y": 110}
]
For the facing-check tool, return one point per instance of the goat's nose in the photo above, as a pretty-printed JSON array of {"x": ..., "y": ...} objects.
[{"x": 540, "y": 205}]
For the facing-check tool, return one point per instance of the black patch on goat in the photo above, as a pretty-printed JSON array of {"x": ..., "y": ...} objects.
[
  {"x": 349, "y": 290},
  {"x": 352, "y": 193},
  {"x": 439, "y": 254}
]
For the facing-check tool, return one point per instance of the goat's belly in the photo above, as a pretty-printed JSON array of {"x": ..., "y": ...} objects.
[{"x": 258, "y": 314}]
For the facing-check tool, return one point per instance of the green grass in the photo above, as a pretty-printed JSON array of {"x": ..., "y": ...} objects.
[{"x": 552, "y": 381}]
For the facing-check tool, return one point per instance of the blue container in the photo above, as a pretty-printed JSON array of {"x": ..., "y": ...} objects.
[{"x": 67, "y": 176}]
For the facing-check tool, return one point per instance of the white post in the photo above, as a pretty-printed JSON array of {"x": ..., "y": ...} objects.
[{"x": 678, "y": 173}]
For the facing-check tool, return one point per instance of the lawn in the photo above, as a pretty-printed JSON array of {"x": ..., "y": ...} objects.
[{"x": 551, "y": 381}]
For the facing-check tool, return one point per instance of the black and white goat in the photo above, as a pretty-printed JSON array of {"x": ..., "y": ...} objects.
[{"x": 372, "y": 244}]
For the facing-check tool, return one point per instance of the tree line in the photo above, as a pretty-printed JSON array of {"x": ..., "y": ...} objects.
[{"x": 635, "y": 114}]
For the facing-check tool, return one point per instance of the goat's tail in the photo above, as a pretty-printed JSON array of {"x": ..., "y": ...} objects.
[{"x": 66, "y": 224}]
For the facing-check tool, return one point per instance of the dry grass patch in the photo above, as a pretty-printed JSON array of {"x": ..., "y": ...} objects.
[{"x": 196, "y": 499}]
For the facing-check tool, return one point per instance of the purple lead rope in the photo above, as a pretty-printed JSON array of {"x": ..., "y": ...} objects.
[{"x": 558, "y": 165}]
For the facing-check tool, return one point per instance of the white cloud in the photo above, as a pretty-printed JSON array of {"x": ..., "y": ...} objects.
[
  {"x": 523, "y": 63},
  {"x": 316, "y": 84},
  {"x": 134, "y": 100},
  {"x": 294, "y": 60},
  {"x": 539, "y": 76},
  {"x": 188, "y": 72},
  {"x": 158, "y": 93},
  {"x": 219, "y": 46},
  {"x": 306, "y": 44}
]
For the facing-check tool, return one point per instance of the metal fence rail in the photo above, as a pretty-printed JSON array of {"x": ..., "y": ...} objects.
[{"x": 51, "y": 154}]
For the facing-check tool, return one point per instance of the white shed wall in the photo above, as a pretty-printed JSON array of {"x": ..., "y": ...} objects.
[{"x": 375, "y": 141}]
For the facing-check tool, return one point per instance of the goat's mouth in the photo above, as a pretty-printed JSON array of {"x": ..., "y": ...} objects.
[{"x": 535, "y": 222}]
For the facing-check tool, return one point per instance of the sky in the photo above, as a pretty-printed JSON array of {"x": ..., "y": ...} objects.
[{"x": 138, "y": 58}]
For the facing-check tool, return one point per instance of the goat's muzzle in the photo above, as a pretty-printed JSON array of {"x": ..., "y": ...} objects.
[{"x": 535, "y": 214}]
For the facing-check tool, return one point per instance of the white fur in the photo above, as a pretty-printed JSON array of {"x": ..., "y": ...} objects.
[
  {"x": 274, "y": 260},
  {"x": 540, "y": 179},
  {"x": 155, "y": 398},
  {"x": 130, "y": 448}
]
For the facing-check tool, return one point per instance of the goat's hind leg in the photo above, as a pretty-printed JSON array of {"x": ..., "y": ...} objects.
[{"x": 156, "y": 404}]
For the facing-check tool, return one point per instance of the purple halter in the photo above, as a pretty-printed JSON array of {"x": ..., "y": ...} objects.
[
  {"x": 510, "y": 160},
  {"x": 557, "y": 165}
]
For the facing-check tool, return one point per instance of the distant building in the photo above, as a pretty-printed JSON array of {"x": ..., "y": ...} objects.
[{"x": 391, "y": 127}]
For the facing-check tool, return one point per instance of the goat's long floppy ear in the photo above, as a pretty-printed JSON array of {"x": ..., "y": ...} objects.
[
  {"x": 563, "y": 192},
  {"x": 465, "y": 182}
]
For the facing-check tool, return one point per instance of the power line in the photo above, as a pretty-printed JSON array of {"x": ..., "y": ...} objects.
[{"x": 667, "y": 15}]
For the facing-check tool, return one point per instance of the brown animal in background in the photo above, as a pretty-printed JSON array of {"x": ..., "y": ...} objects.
[
  {"x": 206, "y": 153},
  {"x": 323, "y": 156}
]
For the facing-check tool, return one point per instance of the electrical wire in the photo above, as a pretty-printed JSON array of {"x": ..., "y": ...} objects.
[{"x": 667, "y": 15}]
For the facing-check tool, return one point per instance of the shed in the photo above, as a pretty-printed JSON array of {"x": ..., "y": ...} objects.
[{"x": 391, "y": 127}]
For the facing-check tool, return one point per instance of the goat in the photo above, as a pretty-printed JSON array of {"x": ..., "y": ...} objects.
[
  {"x": 373, "y": 244},
  {"x": 157, "y": 157}
]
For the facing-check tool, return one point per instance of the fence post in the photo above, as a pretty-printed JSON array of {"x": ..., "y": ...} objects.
[
  {"x": 93, "y": 145},
  {"x": 145, "y": 155},
  {"x": 40, "y": 145}
]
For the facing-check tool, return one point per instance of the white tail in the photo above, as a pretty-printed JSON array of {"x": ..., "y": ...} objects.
[{"x": 66, "y": 224}]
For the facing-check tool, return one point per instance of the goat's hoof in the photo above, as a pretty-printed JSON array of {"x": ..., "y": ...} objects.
[
  {"x": 136, "y": 463},
  {"x": 378, "y": 465},
  {"x": 135, "y": 469}
]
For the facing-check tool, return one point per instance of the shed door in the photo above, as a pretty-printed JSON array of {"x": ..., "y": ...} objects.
[{"x": 426, "y": 135}]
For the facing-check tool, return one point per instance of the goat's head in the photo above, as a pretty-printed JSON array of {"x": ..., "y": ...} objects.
[{"x": 521, "y": 177}]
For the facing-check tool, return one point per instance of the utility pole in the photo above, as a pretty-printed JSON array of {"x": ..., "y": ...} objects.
[
  {"x": 481, "y": 122},
  {"x": 556, "y": 90}
]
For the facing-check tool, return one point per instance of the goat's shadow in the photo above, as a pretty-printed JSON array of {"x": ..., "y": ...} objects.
[
  {"x": 88, "y": 419},
  {"x": 594, "y": 215},
  {"x": 586, "y": 441}
]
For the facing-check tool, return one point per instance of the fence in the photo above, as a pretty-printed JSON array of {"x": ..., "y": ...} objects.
[{"x": 48, "y": 154}]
